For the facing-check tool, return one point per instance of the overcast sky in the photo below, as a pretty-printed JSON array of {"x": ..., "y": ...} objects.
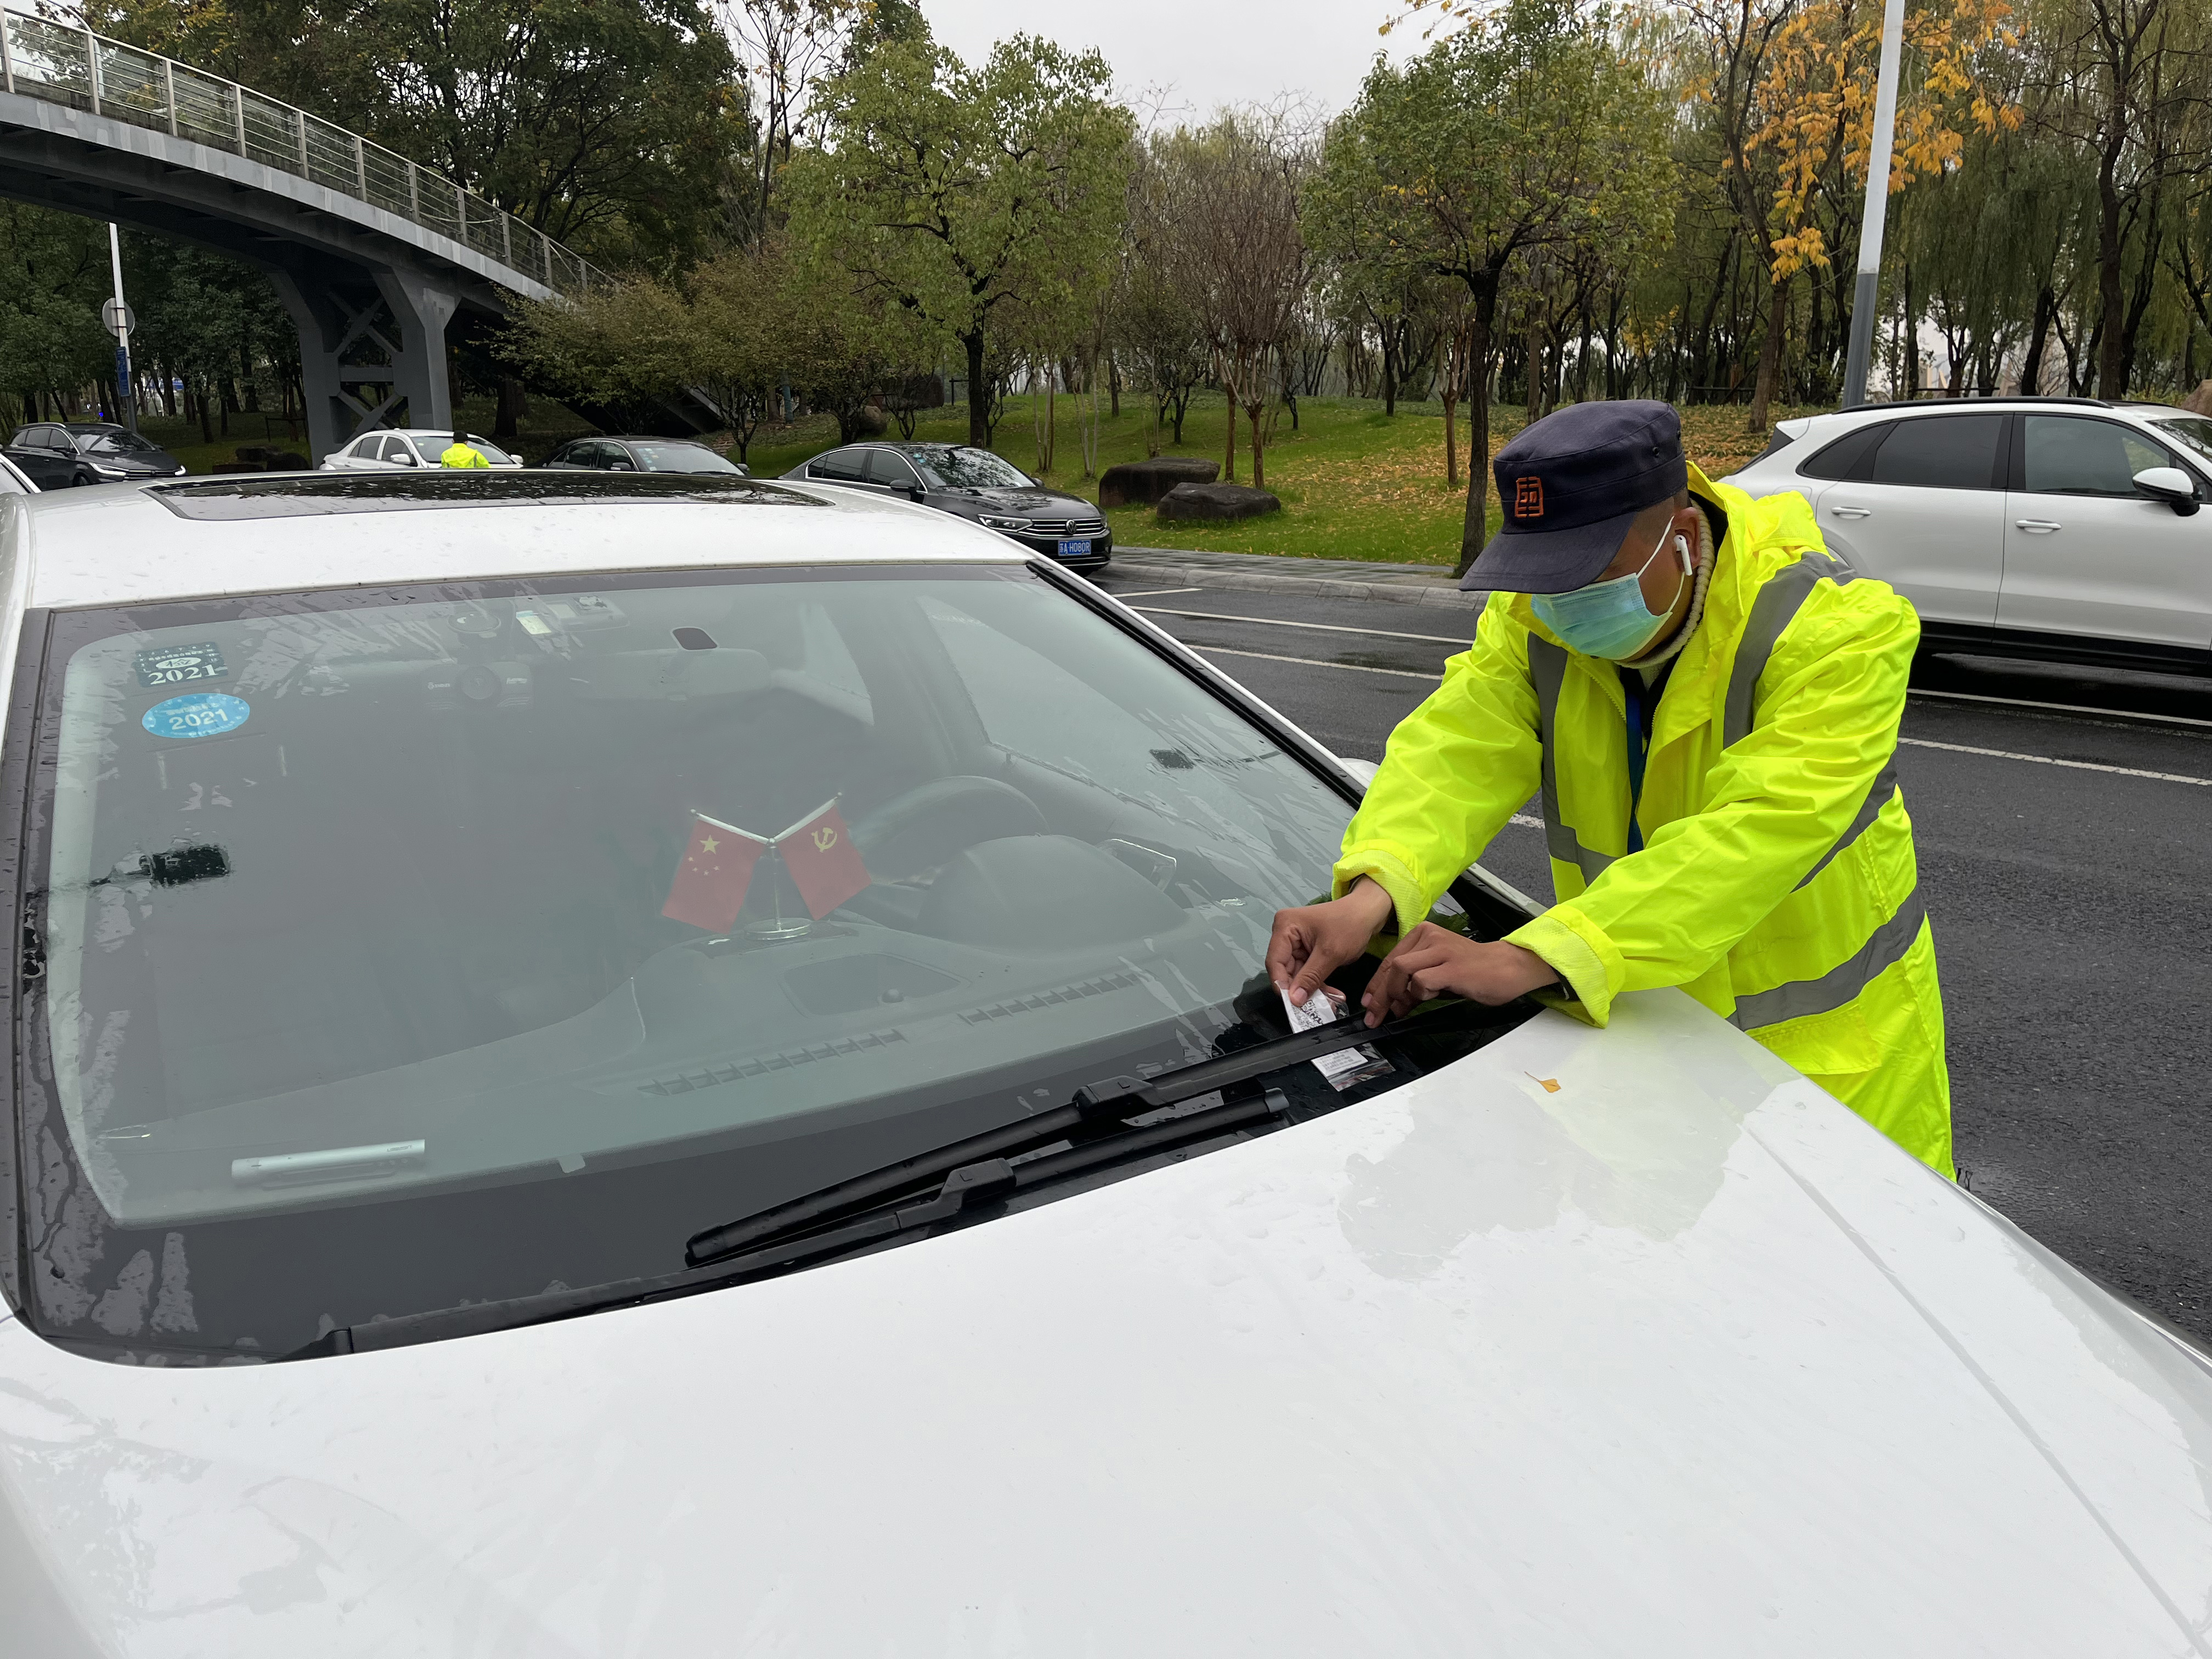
[{"x": 1209, "y": 51}]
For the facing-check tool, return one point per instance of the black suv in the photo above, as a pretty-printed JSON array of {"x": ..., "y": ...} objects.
[
  {"x": 973, "y": 483},
  {"x": 56, "y": 454}
]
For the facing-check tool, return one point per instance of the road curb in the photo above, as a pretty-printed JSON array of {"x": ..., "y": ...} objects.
[{"x": 1436, "y": 592}]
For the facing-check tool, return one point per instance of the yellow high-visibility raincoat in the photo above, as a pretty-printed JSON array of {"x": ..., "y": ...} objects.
[
  {"x": 462, "y": 455},
  {"x": 1777, "y": 883}
]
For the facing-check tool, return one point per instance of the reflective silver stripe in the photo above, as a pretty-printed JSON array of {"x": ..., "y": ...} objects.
[
  {"x": 1879, "y": 795},
  {"x": 1840, "y": 984},
  {"x": 1547, "y": 668},
  {"x": 1773, "y": 610},
  {"x": 1834, "y": 566}
]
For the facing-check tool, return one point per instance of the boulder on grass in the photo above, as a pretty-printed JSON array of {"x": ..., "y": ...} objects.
[
  {"x": 2199, "y": 401},
  {"x": 1215, "y": 503},
  {"x": 1148, "y": 481}
]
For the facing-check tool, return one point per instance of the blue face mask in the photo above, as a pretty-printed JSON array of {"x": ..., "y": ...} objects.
[{"x": 1609, "y": 619}]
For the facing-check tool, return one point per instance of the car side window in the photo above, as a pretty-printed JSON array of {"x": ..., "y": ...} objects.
[
  {"x": 1850, "y": 456},
  {"x": 839, "y": 466},
  {"x": 1941, "y": 452},
  {"x": 615, "y": 458},
  {"x": 886, "y": 468},
  {"x": 2070, "y": 455}
]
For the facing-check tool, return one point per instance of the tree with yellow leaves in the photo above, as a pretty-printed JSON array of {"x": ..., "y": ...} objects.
[{"x": 1789, "y": 86}]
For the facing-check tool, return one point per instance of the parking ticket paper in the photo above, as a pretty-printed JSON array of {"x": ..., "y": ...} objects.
[{"x": 1347, "y": 1066}]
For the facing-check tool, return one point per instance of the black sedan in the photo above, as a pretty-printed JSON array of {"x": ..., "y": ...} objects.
[
  {"x": 642, "y": 455},
  {"x": 975, "y": 483},
  {"x": 56, "y": 454}
]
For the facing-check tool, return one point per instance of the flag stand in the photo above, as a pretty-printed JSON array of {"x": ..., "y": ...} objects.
[{"x": 771, "y": 929}]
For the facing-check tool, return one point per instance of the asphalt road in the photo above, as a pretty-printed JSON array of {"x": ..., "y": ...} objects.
[{"x": 2070, "y": 902}]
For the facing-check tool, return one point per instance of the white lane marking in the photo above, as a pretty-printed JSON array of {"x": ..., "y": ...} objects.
[
  {"x": 1149, "y": 594},
  {"x": 1523, "y": 819},
  {"x": 1314, "y": 662},
  {"x": 2063, "y": 708},
  {"x": 2048, "y": 760},
  {"x": 1917, "y": 743},
  {"x": 1274, "y": 621}
]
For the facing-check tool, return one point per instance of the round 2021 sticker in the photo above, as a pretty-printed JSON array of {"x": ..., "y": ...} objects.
[{"x": 209, "y": 715}]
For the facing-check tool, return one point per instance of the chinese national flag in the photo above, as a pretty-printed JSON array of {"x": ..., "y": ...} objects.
[
  {"x": 709, "y": 889},
  {"x": 824, "y": 863}
]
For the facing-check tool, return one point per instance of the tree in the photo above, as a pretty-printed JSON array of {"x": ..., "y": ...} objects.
[
  {"x": 736, "y": 330},
  {"x": 1527, "y": 130},
  {"x": 1236, "y": 251},
  {"x": 610, "y": 125},
  {"x": 947, "y": 192},
  {"x": 785, "y": 47},
  {"x": 56, "y": 266},
  {"x": 1153, "y": 325},
  {"x": 1789, "y": 86},
  {"x": 2122, "y": 82}
]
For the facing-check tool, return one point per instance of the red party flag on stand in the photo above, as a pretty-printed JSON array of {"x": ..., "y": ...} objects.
[
  {"x": 824, "y": 864},
  {"x": 709, "y": 889}
]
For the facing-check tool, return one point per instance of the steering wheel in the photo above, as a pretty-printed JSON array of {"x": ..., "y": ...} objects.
[{"x": 926, "y": 825}]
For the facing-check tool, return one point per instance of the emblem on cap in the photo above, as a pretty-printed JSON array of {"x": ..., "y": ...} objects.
[{"x": 1528, "y": 497}]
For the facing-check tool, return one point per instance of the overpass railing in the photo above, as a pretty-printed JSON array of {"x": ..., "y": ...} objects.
[{"x": 54, "y": 61}]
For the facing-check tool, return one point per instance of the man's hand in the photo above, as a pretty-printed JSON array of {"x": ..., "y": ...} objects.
[
  {"x": 1433, "y": 960},
  {"x": 1313, "y": 941}
]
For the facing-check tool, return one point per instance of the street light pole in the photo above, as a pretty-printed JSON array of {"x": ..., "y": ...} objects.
[
  {"x": 123, "y": 387},
  {"x": 1865, "y": 302}
]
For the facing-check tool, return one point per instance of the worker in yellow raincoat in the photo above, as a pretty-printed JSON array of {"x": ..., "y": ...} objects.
[
  {"x": 461, "y": 453},
  {"x": 1705, "y": 701}
]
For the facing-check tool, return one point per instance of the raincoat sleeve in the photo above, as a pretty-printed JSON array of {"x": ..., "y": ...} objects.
[
  {"x": 1779, "y": 798},
  {"x": 1455, "y": 769}
]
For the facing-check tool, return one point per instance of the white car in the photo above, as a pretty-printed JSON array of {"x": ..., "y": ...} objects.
[
  {"x": 397, "y": 449},
  {"x": 2063, "y": 528},
  {"x": 676, "y": 1066}
]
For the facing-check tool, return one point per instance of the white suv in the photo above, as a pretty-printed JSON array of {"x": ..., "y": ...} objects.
[{"x": 2054, "y": 527}]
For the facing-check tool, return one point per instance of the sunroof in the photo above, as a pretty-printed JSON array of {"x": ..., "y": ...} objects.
[{"x": 296, "y": 496}]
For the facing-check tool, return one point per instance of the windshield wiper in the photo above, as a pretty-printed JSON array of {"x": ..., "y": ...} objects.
[
  {"x": 1093, "y": 1107},
  {"x": 931, "y": 1189}
]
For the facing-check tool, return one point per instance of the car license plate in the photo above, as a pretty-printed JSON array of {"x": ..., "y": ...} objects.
[{"x": 1075, "y": 549}]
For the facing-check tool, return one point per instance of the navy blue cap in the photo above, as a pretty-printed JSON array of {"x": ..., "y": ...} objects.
[{"x": 1571, "y": 485}]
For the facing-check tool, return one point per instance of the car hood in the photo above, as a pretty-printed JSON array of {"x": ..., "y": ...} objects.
[
  {"x": 1595, "y": 1342},
  {"x": 161, "y": 461},
  {"x": 1050, "y": 502}
]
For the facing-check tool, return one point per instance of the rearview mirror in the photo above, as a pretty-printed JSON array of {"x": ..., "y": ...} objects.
[{"x": 2169, "y": 484}]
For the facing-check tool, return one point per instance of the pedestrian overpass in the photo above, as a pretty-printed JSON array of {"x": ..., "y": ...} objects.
[{"x": 371, "y": 254}]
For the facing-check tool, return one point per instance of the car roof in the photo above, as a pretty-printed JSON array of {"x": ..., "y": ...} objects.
[
  {"x": 642, "y": 438},
  {"x": 130, "y": 543}
]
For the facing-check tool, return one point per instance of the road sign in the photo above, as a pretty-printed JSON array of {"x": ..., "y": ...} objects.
[{"x": 116, "y": 316}]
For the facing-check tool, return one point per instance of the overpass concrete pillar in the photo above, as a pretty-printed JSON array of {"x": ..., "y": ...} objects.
[{"x": 372, "y": 350}]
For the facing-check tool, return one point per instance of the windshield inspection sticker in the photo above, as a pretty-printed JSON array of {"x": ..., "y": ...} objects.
[
  {"x": 209, "y": 715},
  {"x": 180, "y": 664},
  {"x": 1347, "y": 1066}
]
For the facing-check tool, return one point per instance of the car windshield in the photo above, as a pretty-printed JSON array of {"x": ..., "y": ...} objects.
[
  {"x": 121, "y": 443},
  {"x": 964, "y": 468},
  {"x": 681, "y": 457},
  {"x": 431, "y": 448},
  {"x": 2193, "y": 430},
  {"x": 398, "y": 950}
]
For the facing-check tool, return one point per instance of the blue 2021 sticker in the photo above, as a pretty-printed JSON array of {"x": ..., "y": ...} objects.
[{"x": 207, "y": 716}]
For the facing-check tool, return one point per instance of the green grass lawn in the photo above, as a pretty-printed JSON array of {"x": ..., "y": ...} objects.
[{"x": 1355, "y": 484}]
